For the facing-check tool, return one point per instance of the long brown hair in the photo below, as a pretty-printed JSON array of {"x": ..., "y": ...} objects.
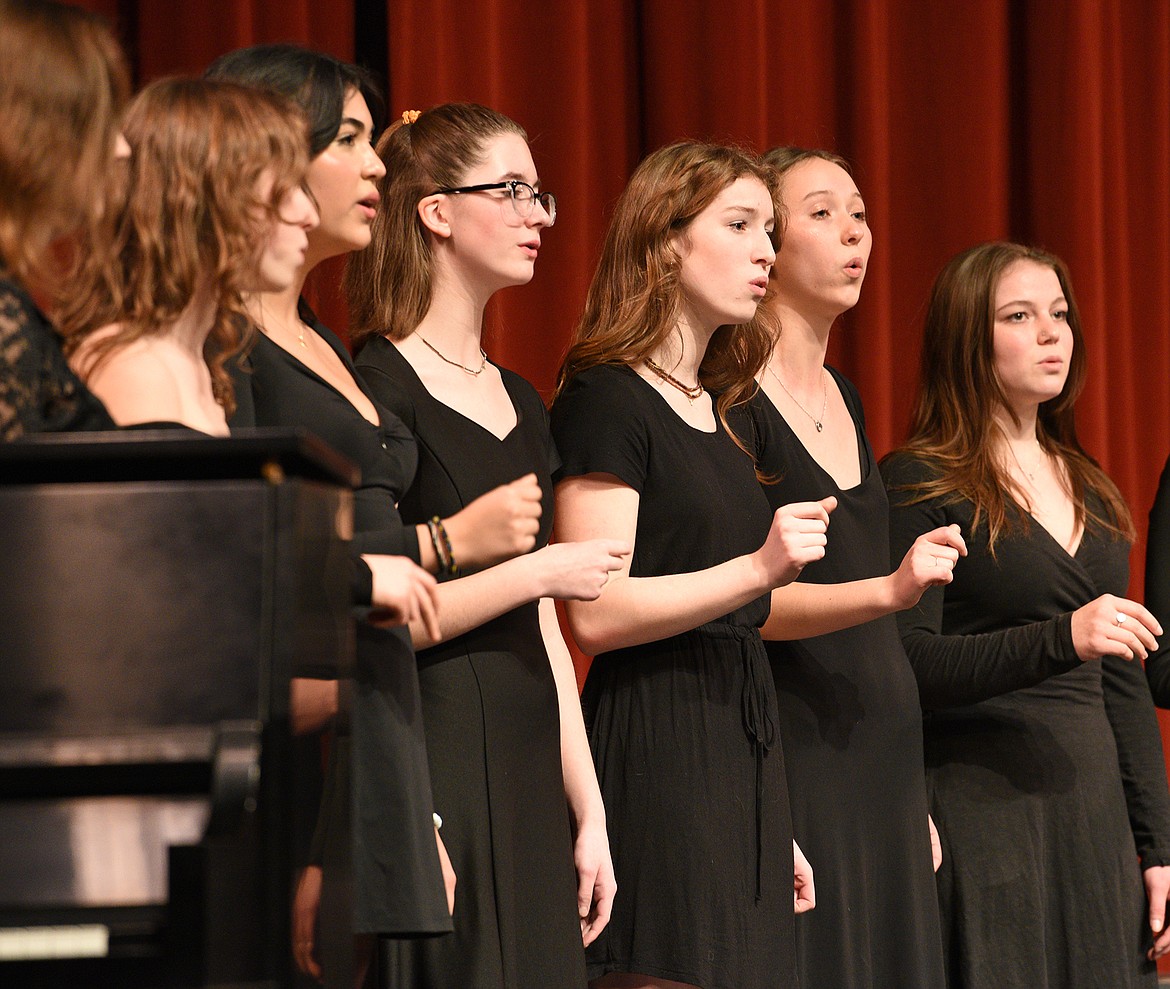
[
  {"x": 192, "y": 217},
  {"x": 62, "y": 90},
  {"x": 954, "y": 424},
  {"x": 388, "y": 285},
  {"x": 635, "y": 299}
]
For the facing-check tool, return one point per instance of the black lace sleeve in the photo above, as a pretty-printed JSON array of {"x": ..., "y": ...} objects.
[{"x": 38, "y": 390}]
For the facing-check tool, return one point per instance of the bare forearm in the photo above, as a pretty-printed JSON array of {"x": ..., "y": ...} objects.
[
  {"x": 800, "y": 611},
  {"x": 634, "y": 610},
  {"x": 477, "y": 598},
  {"x": 581, "y": 790}
]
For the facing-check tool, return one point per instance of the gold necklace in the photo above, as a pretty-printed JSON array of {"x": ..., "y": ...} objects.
[
  {"x": 691, "y": 392},
  {"x": 475, "y": 372},
  {"x": 819, "y": 423},
  {"x": 300, "y": 332}
]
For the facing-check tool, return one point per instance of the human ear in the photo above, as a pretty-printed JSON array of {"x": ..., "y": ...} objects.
[{"x": 432, "y": 210}]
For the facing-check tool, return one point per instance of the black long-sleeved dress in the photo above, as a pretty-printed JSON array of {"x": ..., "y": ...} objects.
[
  {"x": 1045, "y": 774},
  {"x": 1158, "y": 588}
]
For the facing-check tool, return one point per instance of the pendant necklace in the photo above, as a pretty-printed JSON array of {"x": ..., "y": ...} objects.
[
  {"x": 1029, "y": 474},
  {"x": 475, "y": 372},
  {"x": 819, "y": 423}
]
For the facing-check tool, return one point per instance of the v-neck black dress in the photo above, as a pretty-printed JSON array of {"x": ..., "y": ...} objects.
[
  {"x": 683, "y": 730},
  {"x": 398, "y": 885},
  {"x": 852, "y": 731},
  {"x": 1045, "y": 774},
  {"x": 492, "y": 719}
]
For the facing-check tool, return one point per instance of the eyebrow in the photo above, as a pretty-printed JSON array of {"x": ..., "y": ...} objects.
[
  {"x": 351, "y": 122},
  {"x": 1026, "y": 303},
  {"x": 749, "y": 210},
  {"x": 829, "y": 192},
  {"x": 518, "y": 177}
]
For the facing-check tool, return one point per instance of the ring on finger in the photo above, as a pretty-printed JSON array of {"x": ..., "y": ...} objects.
[{"x": 1121, "y": 617}]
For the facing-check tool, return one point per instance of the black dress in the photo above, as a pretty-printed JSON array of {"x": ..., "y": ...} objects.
[
  {"x": 852, "y": 732},
  {"x": 38, "y": 390},
  {"x": 492, "y": 720},
  {"x": 1032, "y": 758},
  {"x": 398, "y": 883},
  {"x": 683, "y": 730},
  {"x": 1158, "y": 588}
]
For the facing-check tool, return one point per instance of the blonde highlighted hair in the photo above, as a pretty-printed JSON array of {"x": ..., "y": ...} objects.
[
  {"x": 63, "y": 87},
  {"x": 194, "y": 218},
  {"x": 635, "y": 299}
]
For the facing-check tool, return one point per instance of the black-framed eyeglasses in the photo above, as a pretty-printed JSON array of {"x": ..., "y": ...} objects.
[{"x": 524, "y": 197}]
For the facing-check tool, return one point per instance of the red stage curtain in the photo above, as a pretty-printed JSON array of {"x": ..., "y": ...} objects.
[{"x": 1041, "y": 120}]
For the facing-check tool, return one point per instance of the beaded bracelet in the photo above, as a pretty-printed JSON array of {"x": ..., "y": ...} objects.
[{"x": 442, "y": 544}]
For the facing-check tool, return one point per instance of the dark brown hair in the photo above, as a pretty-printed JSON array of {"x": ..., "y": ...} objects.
[{"x": 954, "y": 422}]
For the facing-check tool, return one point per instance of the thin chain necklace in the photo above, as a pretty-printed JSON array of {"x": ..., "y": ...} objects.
[
  {"x": 691, "y": 392},
  {"x": 300, "y": 331},
  {"x": 819, "y": 423},
  {"x": 1029, "y": 474},
  {"x": 475, "y": 372}
]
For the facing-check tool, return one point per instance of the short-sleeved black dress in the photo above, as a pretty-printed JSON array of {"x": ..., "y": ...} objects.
[
  {"x": 38, "y": 390},
  {"x": 852, "y": 731},
  {"x": 1045, "y": 774},
  {"x": 398, "y": 887},
  {"x": 492, "y": 720},
  {"x": 683, "y": 730}
]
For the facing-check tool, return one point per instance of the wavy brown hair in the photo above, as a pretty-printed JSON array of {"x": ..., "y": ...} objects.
[
  {"x": 63, "y": 87},
  {"x": 954, "y": 425},
  {"x": 635, "y": 299},
  {"x": 389, "y": 285},
  {"x": 193, "y": 218}
]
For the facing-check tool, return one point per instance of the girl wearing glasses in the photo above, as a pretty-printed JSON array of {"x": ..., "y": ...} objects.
[
  {"x": 461, "y": 218},
  {"x": 300, "y": 374},
  {"x": 48, "y": 196}
]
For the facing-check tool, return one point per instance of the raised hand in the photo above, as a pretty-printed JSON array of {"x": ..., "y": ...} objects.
[
  {"x": 403, "y": 592},
  {"x": 498, "y": 525},
  {"x": 929, "y": 562},
  {"x": 578, "y": 571},
  {"x": 1113, "y": 626},
  {"x": 798, "y": 537}
]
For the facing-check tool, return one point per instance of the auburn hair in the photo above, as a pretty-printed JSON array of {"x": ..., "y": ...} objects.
[
  {"x": 954, "y": 426},
  {"x": 635, "y": 299},
  {"x": 389, "y": 285},
  {"x": 62, "y": 91},
  {"x": 193, "y": 217}
]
